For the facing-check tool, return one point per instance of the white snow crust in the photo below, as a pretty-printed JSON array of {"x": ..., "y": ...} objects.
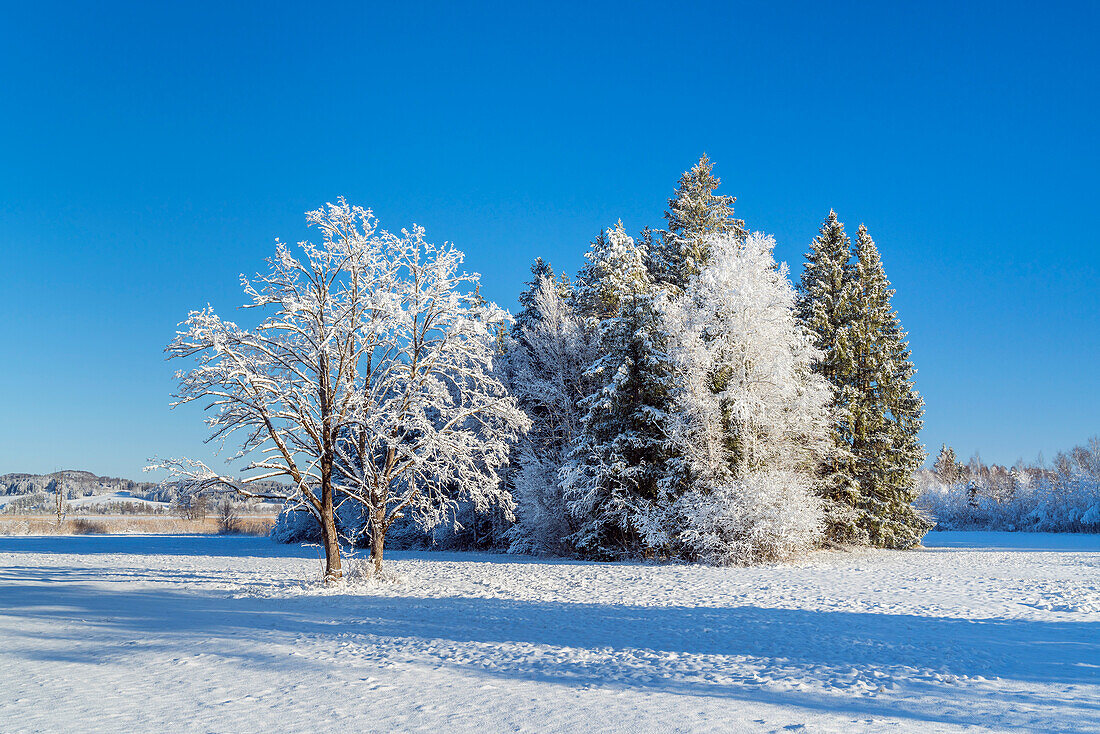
[{"x": 979, "y": 631}]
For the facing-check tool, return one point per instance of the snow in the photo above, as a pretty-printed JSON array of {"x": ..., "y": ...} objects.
[
  {"x": 121, "y": 496},
  {"x": 979, "y": 631}
]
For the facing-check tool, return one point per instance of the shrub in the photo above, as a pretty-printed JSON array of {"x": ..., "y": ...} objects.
[
  {"x": 85, "y": 526},
  {"x": 229, "y": 520}
]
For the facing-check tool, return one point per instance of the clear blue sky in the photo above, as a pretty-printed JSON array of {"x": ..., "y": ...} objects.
[{"x": 151, "y": 152}]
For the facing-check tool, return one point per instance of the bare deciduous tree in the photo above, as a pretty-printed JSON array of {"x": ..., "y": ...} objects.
[
  {"x": 229, "y": 519},
  {"x": 371, "y": 380},
  {"x": 434, "y": 423},
  {"x": 59, "y": 497}
]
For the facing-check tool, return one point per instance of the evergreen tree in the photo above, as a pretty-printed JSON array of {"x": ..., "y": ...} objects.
[
  {"x": 886, "y": 410},
  {"x": 540, "y": 270},
  {"x": 826, "y": 306},
  {"x": 593, "y": 291},
  {"x": 695, "y": 213},
  {"x": 546, "y": 361},
  {"x": 618, "y": 468},
  {"x": 947, "y": 466}
]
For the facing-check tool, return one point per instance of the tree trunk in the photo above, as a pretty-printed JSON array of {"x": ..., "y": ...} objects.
[
  {"x": 329, "y": 537},
  {"x": 377, "y": 540}
]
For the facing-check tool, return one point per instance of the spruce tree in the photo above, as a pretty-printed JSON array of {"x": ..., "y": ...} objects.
[
  {"x": 528, "y": 312},
  {"x": 618, "y": 468},
  {"x": 694, "y": 214},
  {"x": 886, "y": 410},
  {"x": 947, "y": 466},
  {"x": 546, "y": 362},
  {"x": 826, "y": 308}
]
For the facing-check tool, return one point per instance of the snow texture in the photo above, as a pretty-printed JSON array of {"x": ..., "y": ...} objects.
[{"x": 987, "y": 631}]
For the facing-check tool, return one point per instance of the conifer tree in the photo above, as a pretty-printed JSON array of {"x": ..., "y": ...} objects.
[
  {"x": 695, "y": 213},
  {"x": 540, "y": 270},
  {"x": 947, "y": 466},
  {"x": 826, "y": 307},
  {"x": 546, "y": 360},
  {"x": 886, "y": 410},
  {"x": 618, "y": 467}
]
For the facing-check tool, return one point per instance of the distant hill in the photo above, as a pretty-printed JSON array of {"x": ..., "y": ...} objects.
[{"x": 79, "y": 483}]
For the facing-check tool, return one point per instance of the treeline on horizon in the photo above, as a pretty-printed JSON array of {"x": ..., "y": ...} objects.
[{"x": 1062, "y": 496}]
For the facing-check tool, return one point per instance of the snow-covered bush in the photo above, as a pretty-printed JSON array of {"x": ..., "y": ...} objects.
[{"x": 766, "y": 517}]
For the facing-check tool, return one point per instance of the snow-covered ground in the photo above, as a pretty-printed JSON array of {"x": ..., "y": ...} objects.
[
  {"x": 981, "y": 631},
  {"x": 112, "y": 498}
]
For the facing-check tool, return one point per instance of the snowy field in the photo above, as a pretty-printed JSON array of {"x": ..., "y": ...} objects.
[{"x": 981, "y": 631}]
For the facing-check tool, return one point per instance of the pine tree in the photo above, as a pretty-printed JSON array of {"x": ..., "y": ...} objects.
[
  {"x": 695, "y": 213},
  {"x": 826, "y": 307},
  {"x": 886, "y": 412},
  {"x": 546, "y": 362},
  {"x": 618, "y": 467}
]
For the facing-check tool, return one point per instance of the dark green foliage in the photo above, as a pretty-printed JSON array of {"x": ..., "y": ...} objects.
[
  {"x": 826, "y": 307},
  {"x": 694, "y": 213},
  {"x": 887, "y": 412},
  {"x": 947, "y": 466},
  {"x": 620, "y": 461},
  {"x": 868, "y": 481}
]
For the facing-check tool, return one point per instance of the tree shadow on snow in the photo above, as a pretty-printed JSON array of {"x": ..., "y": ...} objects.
[
  {"x": 154, "y": 545},
  {"x": 740, "y": 653}
]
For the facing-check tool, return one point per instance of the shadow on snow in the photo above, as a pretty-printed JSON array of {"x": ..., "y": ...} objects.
[{"x": 699, "y": 651}]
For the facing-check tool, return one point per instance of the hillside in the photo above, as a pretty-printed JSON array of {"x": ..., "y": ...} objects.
[
  {"x": 78, "y": 483},
  {"x": 23, "y": 492}
]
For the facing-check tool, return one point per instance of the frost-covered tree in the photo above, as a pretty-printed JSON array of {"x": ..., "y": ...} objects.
[
  {"x": 827, "y": 307},
  {"x": 59, "y": 498},
  {"x": 886, "y": 410},
  {"x": 547, "y": 359},
  {"x": 618, "y": 467},
  {"x": 288, "y": 386},
  {"x": 751, "y": 415},
  {"x": 695, "y": 213},
  {"x": 368, "y": 379},
  {"x": 947, "y": 466},
  {"x": 529, "y": 308},
  {"x": 433, "y": 423},
  {"x": 1034, "y": 497}
]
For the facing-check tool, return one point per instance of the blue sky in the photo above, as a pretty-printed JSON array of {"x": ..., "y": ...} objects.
[{"x": 151, "y": 152}]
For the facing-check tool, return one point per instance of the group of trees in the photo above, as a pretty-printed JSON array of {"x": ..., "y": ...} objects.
[
  {"x": 688, "y": 402},
  {"x": 876, "y": 412},
  {"x": 679, "y": 397},
  {"x": 1061, "y": 496},
  {"x": 370, "y": 381}
]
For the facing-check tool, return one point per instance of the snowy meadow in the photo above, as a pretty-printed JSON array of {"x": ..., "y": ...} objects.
[
  {"x": 687, "y": 494},
  {"x": 979, "y": 631}
]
